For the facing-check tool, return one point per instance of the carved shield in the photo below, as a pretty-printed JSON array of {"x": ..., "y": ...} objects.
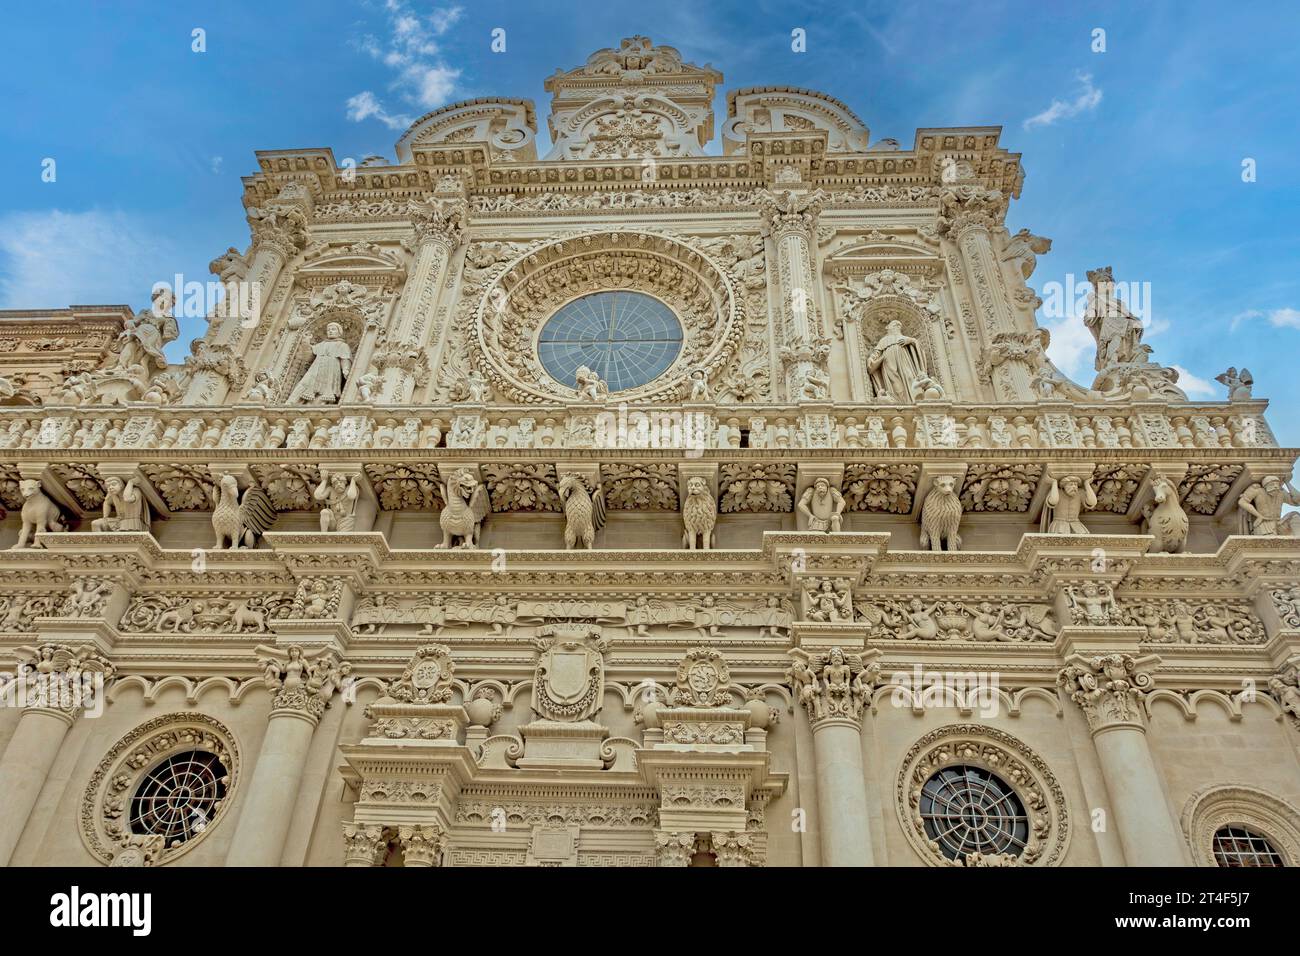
[
  {"x": 569, "y": 679},
  {"x": 568, "y": 670}
]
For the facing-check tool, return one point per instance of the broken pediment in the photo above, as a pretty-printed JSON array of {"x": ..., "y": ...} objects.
[
  {"x": 781, "y": 109},
  {"x": 507, "y": 126}
]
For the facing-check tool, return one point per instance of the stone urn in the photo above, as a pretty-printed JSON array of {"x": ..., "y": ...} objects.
[{"x": 480, "y": 711}]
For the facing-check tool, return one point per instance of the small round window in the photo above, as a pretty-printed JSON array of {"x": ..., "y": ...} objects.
[
  {"x": 1238, "y": 846},
  {"x": 627, "y": 338},
  {"x": 968, "y": 810},
  {"x": 179, "y": 798}
]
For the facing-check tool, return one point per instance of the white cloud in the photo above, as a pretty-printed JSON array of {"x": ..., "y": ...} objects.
[
  {"x": 55, "y": 259},
  {"x": 1194, "y": 385},
  {"x": 1072, "y": 347},
  {"x": 365, "y": 104},
  {"x": 421, "y": 77},
  {"x": 1284, "y": 318},
  {"x": 1089, "y": 99}
]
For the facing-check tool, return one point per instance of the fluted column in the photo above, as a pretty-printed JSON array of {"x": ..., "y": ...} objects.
[
  {"x": 835, "y": 690},
  {"x": 1109, "y": 688},
  {"x": 55, "y": 684},
  {"x": 302, "y": 689}
]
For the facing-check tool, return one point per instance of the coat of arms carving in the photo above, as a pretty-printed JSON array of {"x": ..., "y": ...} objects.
[{"x": 570, "y": 678}]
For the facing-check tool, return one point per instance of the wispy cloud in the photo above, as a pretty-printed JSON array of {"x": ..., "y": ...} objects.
[
  {"x": 1284, "y": 318},
  {"x": 411, "y": 52},
  {"x": 1194, "y": 385},
  {"x": 55, "y": 259},
  {"x": 1072, "y": 344},
  {"x": 1088, "y": 99}
]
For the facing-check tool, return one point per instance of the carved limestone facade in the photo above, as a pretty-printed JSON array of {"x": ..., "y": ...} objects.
[{"x": 637, "y": 502}]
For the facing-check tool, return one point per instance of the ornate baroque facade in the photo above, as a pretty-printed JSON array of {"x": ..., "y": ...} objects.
[{"x": 638, "y": 504}]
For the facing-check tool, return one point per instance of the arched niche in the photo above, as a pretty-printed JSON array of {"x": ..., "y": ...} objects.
[{"x": 299, "y": 355}]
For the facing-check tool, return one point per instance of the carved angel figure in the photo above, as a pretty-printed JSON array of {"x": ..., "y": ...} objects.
[
  {"x": 1238, "y": 384},
  {"x": 590, "y": 386},
  {"x": 466, "y": 506},
  {"x": 584, "y": 512},
  {"x": 236, "y": 521},
  {"x": 322, "y": 383}
]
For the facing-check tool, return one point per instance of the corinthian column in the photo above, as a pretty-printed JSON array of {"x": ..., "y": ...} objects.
[
  {"x": 835, "y": 690},
  {"x": 790, "y": 219},
  {"x": 1109, "y": 688},
  {"x": 55, "y": 684},
  {"x": 439, "y": 224},
  {"x": 302, "y": 689}
]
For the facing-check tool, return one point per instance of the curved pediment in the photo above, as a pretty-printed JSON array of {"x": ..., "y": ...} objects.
[
  {"x": 508, "y": 126},
  {"x": 327, "y": 262},
  {"x": 783, "y": 109}
]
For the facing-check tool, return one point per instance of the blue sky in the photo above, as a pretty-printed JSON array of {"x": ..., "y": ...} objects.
[{"x": 1134, "y": 156}]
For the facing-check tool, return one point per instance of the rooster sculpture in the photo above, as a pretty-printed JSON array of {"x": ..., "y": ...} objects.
[
  {"x": 466, "y": 506},
  {"x": 237, "y": 520}
]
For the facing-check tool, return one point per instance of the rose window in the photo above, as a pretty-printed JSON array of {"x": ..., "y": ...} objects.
[
  {"x": 968, "y": 810},
  {"x": 179, "y": 797},
  {"x": 627, "y": 338}
]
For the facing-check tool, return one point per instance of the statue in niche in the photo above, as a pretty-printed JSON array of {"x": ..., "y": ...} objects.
[
  {"x": 323, "y": 381},
  {"x": 1261, "y": 505},
  {"x": 895, "y": 364},
  {"x": 124, "y": 507},
  {"x": 1066, "y": 502},
  {"x": 339, "y": 501},
  {"x": 822, "y": 506}
]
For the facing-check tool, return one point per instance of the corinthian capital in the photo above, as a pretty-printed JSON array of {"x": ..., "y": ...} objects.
[
  {"x": 439, "y": 220},
  {"x": 59, "y": 677},
  {"x": 834, "y": 685},
  {"x": 280, "y": 226},
  {"x": 790, "y": 211},
  {"x": 966, "y": 206},
  {"x": 1108, "y": 687}
]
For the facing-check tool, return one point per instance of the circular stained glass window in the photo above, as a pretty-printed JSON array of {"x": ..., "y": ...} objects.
[
  {"x": 968, "y": 810},
  {"x": 627, "y": 338},
  {"x": 1237, "y": 846},
  {"x": 179, "y": 798}
]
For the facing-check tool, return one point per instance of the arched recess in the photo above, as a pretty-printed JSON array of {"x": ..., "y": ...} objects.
[
  {"x": 1217, "y": 806},
  {"x": 882, "y": 310},
  {"x": 298, "y": 355}
]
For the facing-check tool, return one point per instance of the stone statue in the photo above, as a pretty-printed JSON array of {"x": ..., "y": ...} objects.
[
  {"x": 263, "y": 388},
  {"x": 584, "y": 512},
  {"x": 368, "y": 386},
  {"x": 323, "y": 381},
  {"x": 826, "y": 603},
  {"x": 895, "y": 364},
  {"x": 1261, "y": 505},
  {"x": 822, "y": 506},
  {"x": 1165, "y": 518},
  {"x": 941, "y": 516},
  {"x": 143, "y": 337},
  {"x": 699, "y": 386},
  {"x": 1238, "y": 384},
  {"x": 699, "y": 514},
  {"x": 339, "y": 501},
  {"x": 39, "y": 514},
  {"x": 590, "y": 386},
  {"x": 237, "y": 521},
  {"x": 124, "y": 507},
  {"x": 1118, "y": 331},
  {"x": 1023, "y": 249},
  {"x": 466, "y": 506},
  {"x": 1066, "y": 501},
  {"x": 815, "y": 386}
]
